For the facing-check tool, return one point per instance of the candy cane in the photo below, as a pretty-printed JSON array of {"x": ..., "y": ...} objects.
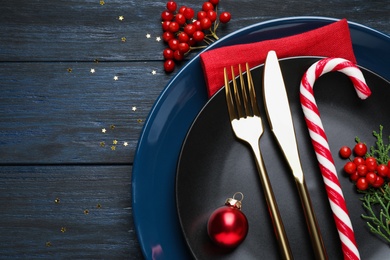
[{"x": 321, "y": 146}]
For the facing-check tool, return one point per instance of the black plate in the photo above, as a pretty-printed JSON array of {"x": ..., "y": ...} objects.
[{"x": 213, "y": 166}]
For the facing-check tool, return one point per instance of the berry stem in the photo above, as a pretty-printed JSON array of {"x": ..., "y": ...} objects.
[
  {"x": 215, "y": 26},
  {"x": 214, "y": 35},
  {"x": 208, "y": 40},
  {"x": 197, "y": 47}
]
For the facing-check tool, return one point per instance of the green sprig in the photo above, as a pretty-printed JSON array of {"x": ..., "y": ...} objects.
[
  {"x": 380, "y": 151},
  {"x": 377, "y": 205},
  {"x": 376, "y": 201}
]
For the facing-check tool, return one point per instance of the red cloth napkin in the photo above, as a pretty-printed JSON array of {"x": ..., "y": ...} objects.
[{"x": 332, "y": 40}]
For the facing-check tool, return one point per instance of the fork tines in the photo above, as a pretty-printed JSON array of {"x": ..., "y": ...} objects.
[{"x": 243, "y": 96}]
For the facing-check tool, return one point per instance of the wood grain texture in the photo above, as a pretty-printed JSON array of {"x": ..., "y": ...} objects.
[
  {"x": 85, "y": 30},
  {"x": 51, "y": 119},
  {"x": 31, "y": 220},
  {"x": 50, "y": 115}
]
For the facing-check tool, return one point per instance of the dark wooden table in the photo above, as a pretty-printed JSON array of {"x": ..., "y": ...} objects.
[{"x": 76, "y": 85}]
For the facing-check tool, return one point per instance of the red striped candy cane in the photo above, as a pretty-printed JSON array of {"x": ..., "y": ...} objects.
[{"x": 321, "y": 146}]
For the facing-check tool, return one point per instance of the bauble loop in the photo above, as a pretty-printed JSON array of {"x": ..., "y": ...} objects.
[{"x": 234, "y": 202}]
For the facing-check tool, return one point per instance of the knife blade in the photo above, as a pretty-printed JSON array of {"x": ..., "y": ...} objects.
[{"x": 280, "y": 119}]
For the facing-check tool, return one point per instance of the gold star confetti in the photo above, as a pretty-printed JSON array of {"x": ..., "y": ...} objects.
[
  {"x": 69, "y": 70},
  {"x": 154, "y": 72},
  {"x": 98, "y": 206},
  {"x": 123, "y": 39},
  {"x": 121, "y": 18},
  {"x": 48, "y": 244},
  {"x": 148, "y": 35},
  {"x": 102, "y": 2},
  {"x": 57, "y": 200},
  {"x": 86, "y": 211},
  {"x": 115, "y": 142},
  {"x": 113, "y": 147},
  {"x": 134, "y": 108},
  {"x": 63, "y": 229},
  {"x": 116, "y": 78},
  {"x": 102, "y": 144},
  {"x": 158, "y": 38},
  {"x": 104, "y": 130},
  {"x": 139, "y": 120},
  {"x": 112, "y": 127},
  {"x": 92, "y": 70},
  {"x": 125, "y": 143}
]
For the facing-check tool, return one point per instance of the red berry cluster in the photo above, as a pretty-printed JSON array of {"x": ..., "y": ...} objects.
[
  {"x": 364, "y": 170},
  {"x": 183, "y": 31}
]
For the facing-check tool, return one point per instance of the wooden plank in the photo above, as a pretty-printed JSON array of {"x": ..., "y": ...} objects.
[
  {"x": 85, "y": 30},
  {"x": 50, "y": 115},
  {"x": 75, "y": 30},
  {"x": 33, "y": 225}
]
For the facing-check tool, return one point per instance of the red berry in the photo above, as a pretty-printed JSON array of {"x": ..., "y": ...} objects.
[
  {"x": 192, "y": 42},
  {"x": 168, "y": 54},
  {"x": 371, "y": 177},
  {"x": 173, "y": 44},
  {"x": 225, "y": 17},
  {"x": 174, "y": 27},
  {"x": 184, "y": 47},
  {"x": 350, "y": 167},
  {"x": 171, "y": 6},
  {"x": 354, "y": 176},
  {"x": 166, "y": 16},
  {"x": 200, "y": 15},
  {"x": 169, "y": 65},
  {"x": 214, "y": 2},
  {"x": 362, "y": 184},
  {"x": 371, "y": 164},
  {"x": 182, "y": 9},
  {"x": 358, "y": 161},
  {"x": 379, "y": 182},
  {"x": 165, "y": 25},
  {"x": 197, "y": 25},
  {"x": 362, "y": 170},
  {"x": 189, "y": 29},
  {"x": 183, "y": 37},
  {"x": 189, "y": 13},
  {"x": 212, "y": 15},
  {"x": 198, "y": 36},
  {"x": 167, "y": 36},
  {"x": 345, "y": 152},
  {"x": 370, "y": 159},
  {"x": 205, "y": 23},
  {"x": 382, "y": 170},
  {"x": 207, "y": 6},
  {"x": 177, "y": 55},
  {"x": 180, "y": 19},
  {"x": 360, "y": 149}
]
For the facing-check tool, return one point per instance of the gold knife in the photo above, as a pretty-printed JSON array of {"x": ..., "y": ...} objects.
[{"x": 280, "y": 120}]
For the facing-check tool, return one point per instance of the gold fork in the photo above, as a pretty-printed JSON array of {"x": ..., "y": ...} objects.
[{"x": 247, "y": 126}]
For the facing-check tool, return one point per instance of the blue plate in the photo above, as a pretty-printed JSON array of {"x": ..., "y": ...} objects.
[{"x": 154, "y": 172}]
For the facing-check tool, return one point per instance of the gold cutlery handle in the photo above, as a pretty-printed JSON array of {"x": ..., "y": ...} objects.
[
  {"x": 315, "y": 235},
  {"x": 277, "y": 222}
]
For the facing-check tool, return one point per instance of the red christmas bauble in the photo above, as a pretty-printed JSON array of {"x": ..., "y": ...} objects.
[{"x": 227, "y": 226}]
